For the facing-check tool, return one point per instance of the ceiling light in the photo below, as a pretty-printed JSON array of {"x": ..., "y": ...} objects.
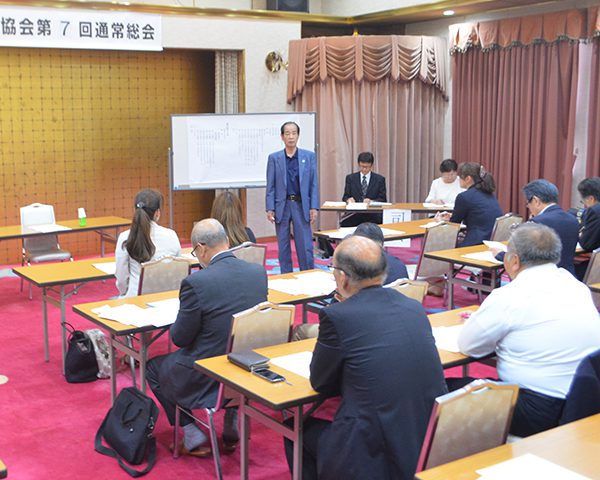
[{"x": 448, "y": 13}]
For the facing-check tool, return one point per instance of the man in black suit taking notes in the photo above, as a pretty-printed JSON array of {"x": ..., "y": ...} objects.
[
  {"x": 207, "y": 300},
  {"x": 375, "y": 349},
  {"x": 364, "y": 186}
]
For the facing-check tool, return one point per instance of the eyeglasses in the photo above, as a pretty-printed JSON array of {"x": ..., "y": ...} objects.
[
  {"x": 331, "y": 266},
  {"x": 194, "y": 250}
]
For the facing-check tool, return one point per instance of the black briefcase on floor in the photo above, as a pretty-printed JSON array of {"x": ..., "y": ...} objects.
[{"x": 128, "y": 428}]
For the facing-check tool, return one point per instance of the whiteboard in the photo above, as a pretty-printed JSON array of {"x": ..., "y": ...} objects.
[{"x": 230, "y": 150}]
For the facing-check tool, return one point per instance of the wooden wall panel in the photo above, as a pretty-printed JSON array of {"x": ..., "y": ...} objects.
[{"x": 90, "y": 128}]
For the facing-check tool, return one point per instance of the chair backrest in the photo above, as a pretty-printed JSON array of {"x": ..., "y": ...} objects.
[
  {"x": 37, "y": 214},
  {"x": 411, "y": 288},
  {"x": 583, "y": 398},
  {"x": 163, "y": 275},
  {"x": 440, "y": 237},
  {"x": 264, "y": 325},
  {"x": 466, "y": 421},
  {"x": 504, "y": 225},
  {"x": 592, "y": 274},
  {"x": 251, "y": 252}
]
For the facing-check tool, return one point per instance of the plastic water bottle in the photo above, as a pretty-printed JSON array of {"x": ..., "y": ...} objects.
[{"x": 81, "y": 215}]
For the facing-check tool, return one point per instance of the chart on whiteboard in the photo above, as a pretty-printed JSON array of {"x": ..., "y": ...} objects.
[
  {"x": 245, "y": 144},
  {"x": 230, "y": 150}
]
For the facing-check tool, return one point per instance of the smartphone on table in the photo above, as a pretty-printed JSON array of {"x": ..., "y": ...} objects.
[{"x": 268, "y": 375}]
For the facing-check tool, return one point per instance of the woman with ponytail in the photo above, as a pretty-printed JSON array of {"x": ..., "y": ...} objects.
[
  {"x": 477, "y": 207},
  {"x": 146, "y": 240}
]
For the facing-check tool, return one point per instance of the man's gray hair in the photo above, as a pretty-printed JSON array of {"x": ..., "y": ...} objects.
[
  {"x": 542, "y": 189},
  {"x": 209, "y": 232},
  {"x": 535, "y": 244}
]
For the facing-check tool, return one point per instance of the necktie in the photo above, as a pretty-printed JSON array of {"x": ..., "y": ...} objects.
[{"x": 364, "y": 185}]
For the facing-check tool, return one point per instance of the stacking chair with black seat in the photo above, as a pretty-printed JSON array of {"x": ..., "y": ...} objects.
[
  {"x": 40, "y": 248},
  {"x": 261, "y": 326},
  {"x": 251, "y": 252},
  {"x": 467, "y": 421}
]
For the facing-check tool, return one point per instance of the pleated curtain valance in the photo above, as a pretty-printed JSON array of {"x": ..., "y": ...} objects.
[
  {"x": 367, "y": 58},
  {"x": 573, "y": 25}
]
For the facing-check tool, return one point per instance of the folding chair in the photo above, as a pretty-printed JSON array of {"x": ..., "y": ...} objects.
[
  {"x": 40, "y": 248},
  {"x": 466, "y": 421},
  {"x": 411, "y": 288},
  {"x": 504, "y": 226},
  {"x": 261, "y": 326}
]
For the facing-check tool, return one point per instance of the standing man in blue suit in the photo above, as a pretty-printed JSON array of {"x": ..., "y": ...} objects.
[{"x": 293, "y": 198}]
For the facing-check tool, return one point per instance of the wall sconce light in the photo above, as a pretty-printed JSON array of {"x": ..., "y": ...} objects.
[{"x": 275, "y": 62}]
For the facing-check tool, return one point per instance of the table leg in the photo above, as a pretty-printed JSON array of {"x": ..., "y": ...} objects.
[
  {"x": 244, "y": 438},
  {"x": 304, "y": 313},
  {"x": 45, "y": 310},
  {"x": 143, "y": 360},
  {"x": 113, "y": 370},
  {"x": 63, "y": 319},
  {"x": 451, "y": 286},
  {"x": 298, "y": 421}
]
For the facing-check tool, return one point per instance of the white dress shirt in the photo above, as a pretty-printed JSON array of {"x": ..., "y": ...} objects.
[
  {"x": 128, "y": 270},
  {"x": 540, "y": 325},
  {"x": 446, "y": 192}
]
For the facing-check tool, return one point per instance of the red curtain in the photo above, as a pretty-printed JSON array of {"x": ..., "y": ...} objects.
[{"x": 514, "y": 100}]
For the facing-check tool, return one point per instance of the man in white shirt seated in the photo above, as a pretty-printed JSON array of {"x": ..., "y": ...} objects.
[
  {"x": 541, "y": 325},
  {"x": 445, "y": 188}
]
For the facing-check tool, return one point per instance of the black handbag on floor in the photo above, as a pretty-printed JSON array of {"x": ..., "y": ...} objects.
[
  {"x": 128, "y": 428},
  {"x": 80, "y": 361}
]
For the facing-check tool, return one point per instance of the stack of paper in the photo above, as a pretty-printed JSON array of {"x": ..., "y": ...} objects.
[
  {"x": 388, "y": 231},
  {"x": 495, "y": 245},
  {"x": 313, "y": 284},
  {"x": 446, "y": 338},
  {"x": 165, "y": 311},
  {"x": 48, "y": 228},
  {"x": 109, "y": 268},
  {"x": 342, "y": 233},
  {"x": 138, "y": 317},
  {"x": 357, "y": 206},
  {"x": 431, "y": 224},
  {"x": 486, "y": 256},
  {"x": 380, "y": 204},
  {"x": 334, "y": 204},
  {"x": 526, "y": 467},
  {"x": 440, "y": 207},
  {"x": 298, "y": 363}
]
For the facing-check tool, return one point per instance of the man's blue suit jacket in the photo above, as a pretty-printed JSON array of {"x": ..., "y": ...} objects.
[{"x": 277, "y": 183}]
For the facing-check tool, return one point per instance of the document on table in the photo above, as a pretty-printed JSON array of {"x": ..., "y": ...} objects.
[
  {"x": 388, "y": 231},
  {"x": 446, "y": 338},
  {"x": 48, "y": 228},
  {"x": 342, "y": 233},
  {"x": 313, "y": 284},
  {"x": 436, "y": 205},
  {"x": 298, "y": 363},
  {"x": 495, "y": 245},
  {"x": 357, "y": 206},
  {"x": 334, "y": 204},
  {"x": 109, "y": 268},
  {"x": 431, "y": 224},
  {"x": 528, "y": 466},
  {"x": 165, "y": 311},
  {"x": 486, "y": 256},
  {"x": 137, "y": 316},
  {"x": 379, "y": 204}
]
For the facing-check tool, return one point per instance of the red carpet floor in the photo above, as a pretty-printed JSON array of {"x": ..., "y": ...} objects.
[{"x": 47, "y": 426}]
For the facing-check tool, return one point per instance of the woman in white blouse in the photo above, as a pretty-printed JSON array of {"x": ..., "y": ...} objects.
[
  {"x": 146, "y": 240},
  {"x": 444, "y": 189}
]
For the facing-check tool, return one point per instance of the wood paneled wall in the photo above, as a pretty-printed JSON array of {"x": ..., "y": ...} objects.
[{"x": 87, "y": 128}]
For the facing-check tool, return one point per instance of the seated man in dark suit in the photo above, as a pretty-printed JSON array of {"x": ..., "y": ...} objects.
[
  {"x": 364, "y": 186},
  {"x": 589, "y": 231},
  {"x": 208, "y": 298},
  {"x": 376, "y": 350},
  {"x": 542, "y": 198},
  {"x": 395, "y": 267}
]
